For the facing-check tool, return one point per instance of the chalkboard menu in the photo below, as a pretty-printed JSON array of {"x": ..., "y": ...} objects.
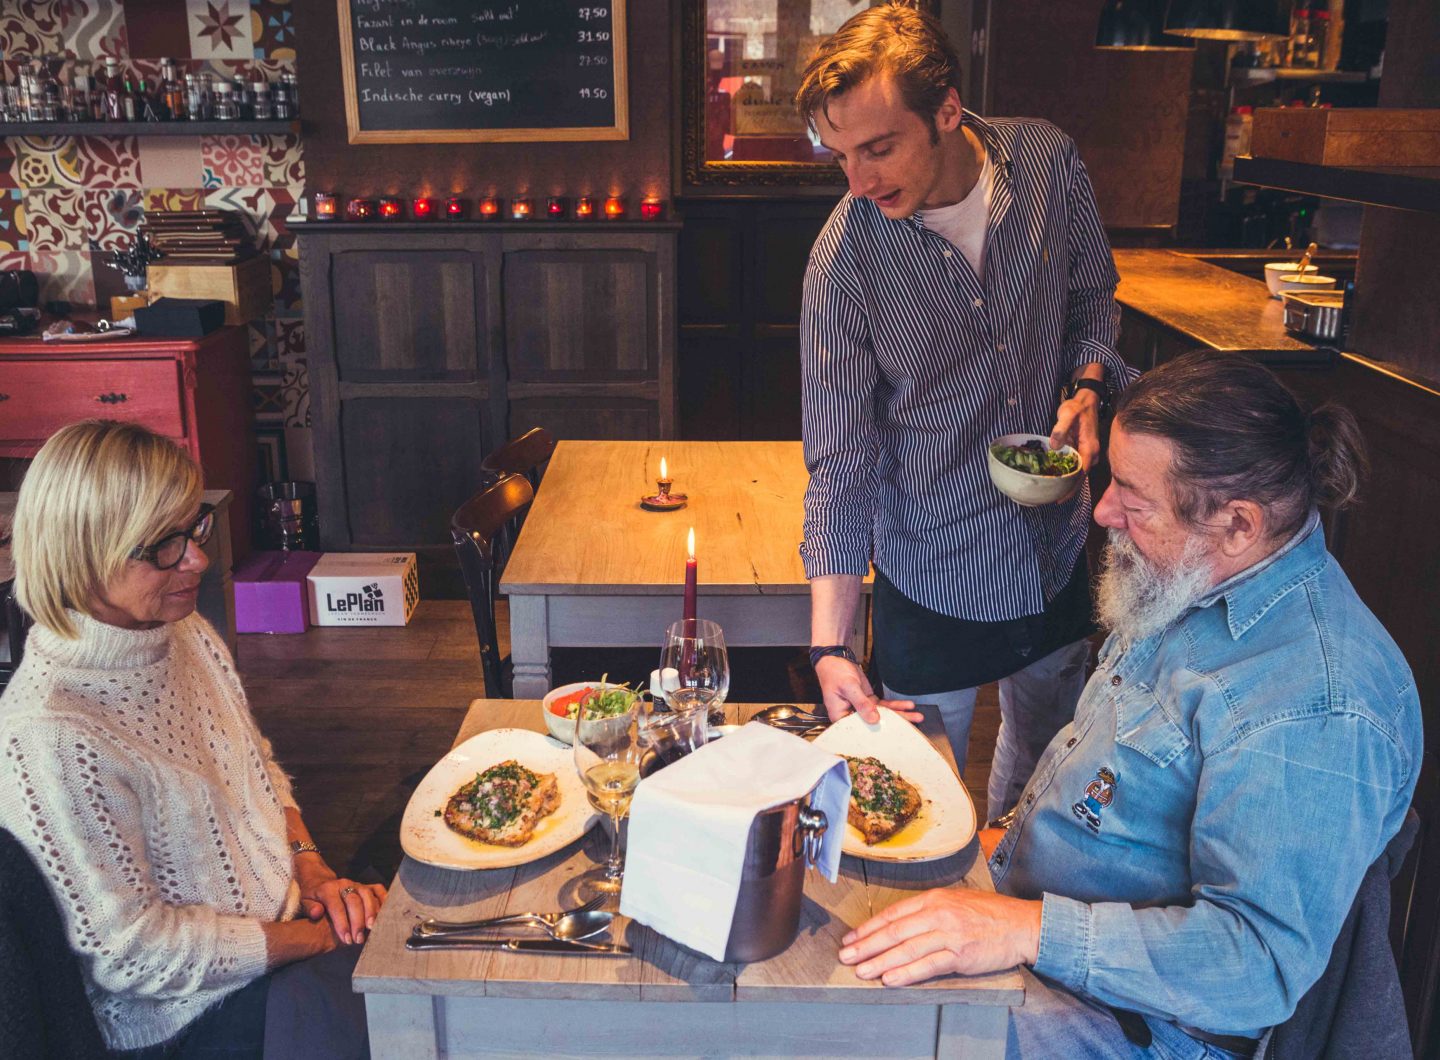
[{"x": 419, "y": 71}]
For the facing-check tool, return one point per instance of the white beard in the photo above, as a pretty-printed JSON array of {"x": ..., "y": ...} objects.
[{"x": 1136, "y": 599}]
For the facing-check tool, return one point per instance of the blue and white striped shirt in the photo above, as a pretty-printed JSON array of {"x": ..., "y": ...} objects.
[{"x": 912, "y": 366}]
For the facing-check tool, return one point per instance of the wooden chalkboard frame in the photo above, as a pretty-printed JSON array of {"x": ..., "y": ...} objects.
[{"x": 619, "y": 131}]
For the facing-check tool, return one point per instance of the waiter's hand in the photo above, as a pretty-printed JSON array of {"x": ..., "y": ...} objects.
[
  {"x": 846, "y": 688},
  {"x": 1077, "y": 423}
]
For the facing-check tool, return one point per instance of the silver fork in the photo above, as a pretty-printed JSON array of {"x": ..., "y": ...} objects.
[{"x": 546, "y": 920}]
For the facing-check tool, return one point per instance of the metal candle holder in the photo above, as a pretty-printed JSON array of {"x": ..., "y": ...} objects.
[{"x": 663, "y": 500}]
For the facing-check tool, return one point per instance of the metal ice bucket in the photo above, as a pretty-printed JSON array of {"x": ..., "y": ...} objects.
[{"x": 783, "y": 840}]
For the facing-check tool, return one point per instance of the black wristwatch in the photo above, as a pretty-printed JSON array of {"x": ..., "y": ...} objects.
[
  {"x": 823, "y": 650},
  {"x": 1070, "y": 389}
]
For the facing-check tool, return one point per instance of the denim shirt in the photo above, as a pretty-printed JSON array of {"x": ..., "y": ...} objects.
[{"x": 1199, "y": 832}]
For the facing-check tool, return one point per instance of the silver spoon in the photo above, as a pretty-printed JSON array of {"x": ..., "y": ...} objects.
[
  {"x": 785, "y": 715},
  {"x": 579, "y": 924}
]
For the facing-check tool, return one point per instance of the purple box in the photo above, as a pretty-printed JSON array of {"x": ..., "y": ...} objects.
[{"x": 270, "y": 592}]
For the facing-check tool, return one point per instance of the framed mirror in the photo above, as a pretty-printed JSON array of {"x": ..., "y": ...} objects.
[{"x": 740, "y": 65}]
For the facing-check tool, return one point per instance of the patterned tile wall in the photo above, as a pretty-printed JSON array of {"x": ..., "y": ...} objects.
[{"x": 59, "y": 192}]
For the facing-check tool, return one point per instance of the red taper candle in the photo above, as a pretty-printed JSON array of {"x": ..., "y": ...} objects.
[{"x": 690, "y": 575}]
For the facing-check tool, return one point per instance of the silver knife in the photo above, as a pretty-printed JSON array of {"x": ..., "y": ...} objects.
[{"x": 434, "y": 942}]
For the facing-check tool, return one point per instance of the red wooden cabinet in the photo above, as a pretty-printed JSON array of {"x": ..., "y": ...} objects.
[{"x": 195, "y": 391}]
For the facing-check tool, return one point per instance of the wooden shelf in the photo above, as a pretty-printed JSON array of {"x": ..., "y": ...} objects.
[
  {"x": 146, "y": 128},
  {"x": 1398, "y": 187},
  {"x": 1263, "y": 75}
]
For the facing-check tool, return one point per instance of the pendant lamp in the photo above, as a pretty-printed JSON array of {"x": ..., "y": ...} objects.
[
  {"x": 1230, "y": 20},
  {"x": 1135, "y": 25}
]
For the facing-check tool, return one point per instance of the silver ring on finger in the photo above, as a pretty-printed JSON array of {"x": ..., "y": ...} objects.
[{"x": 347, "y": 890}]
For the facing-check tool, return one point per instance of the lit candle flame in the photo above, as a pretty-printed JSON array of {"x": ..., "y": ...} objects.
[
  {"x": 692, "y": 542},
  {"x": 662, "y": 468}
]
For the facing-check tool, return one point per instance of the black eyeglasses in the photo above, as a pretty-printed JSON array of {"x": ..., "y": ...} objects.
[{"x": 170, "y": 549}]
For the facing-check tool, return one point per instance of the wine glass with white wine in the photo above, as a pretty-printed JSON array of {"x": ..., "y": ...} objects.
[{"x": 607, "y": 757}]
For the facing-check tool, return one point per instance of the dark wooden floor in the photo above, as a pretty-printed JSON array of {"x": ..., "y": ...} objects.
[{"x": 357, "y": 716}]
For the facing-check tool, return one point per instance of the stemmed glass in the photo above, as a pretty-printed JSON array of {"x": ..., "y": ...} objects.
[
  {"x": 698, "y": 666},
  {"x": 607, "y": 757}
]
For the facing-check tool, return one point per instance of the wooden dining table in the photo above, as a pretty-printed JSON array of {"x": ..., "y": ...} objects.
[
  {"x": 664, "y": 1000},
  {"x": 592, "y": 568}
]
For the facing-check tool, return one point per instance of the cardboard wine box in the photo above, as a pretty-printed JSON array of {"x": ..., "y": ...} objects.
[{"x": 364, "y": 589}]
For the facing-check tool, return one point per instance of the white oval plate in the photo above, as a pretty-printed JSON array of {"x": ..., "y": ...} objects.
[
  {"x": 947, "y": 817},
  {"x": 426, "y": 837}
]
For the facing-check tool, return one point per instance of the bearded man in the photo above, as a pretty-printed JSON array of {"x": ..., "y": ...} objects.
[{"x": 1180, "y": 864}]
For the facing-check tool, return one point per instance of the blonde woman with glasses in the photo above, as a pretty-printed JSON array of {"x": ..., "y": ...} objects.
[{"x": 205, "y": 921}]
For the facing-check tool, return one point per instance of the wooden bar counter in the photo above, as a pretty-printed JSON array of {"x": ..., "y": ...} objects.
[{"x": 1173, "y": 302}]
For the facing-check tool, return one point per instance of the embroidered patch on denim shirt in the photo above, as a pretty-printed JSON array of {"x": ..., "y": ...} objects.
[{"x": 1098, "y": 794}]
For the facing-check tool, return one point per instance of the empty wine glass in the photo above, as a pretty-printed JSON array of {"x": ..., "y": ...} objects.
[
  {"x": 696, "y": 663},
  {"x": 607, "y": 757}
]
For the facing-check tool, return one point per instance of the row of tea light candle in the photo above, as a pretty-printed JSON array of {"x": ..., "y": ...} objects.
[{"x": 490, "y": 208}]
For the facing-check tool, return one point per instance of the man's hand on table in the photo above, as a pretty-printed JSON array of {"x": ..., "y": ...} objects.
[
  {"x": 953, "y": 929},
  {"x": 1077, "y": 423},
  {"x": 846, "y": 688}
]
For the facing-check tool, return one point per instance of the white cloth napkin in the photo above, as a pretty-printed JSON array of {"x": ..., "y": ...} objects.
[{"x": 690, "y": 822}]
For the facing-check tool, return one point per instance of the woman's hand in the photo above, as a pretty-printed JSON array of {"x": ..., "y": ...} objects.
[{"x": 351, "y": 907}]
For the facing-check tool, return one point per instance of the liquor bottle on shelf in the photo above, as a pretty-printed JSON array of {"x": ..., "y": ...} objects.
[
  {"x": 151, "y": 109},
  {"x": 114, "y": 91},
  {"x": 1319, "y": 33},
  {"x": 97, "y": 99},
  {"x": 292, "y": 87},
  {"x": 51, "y": 102},
  {"x": 226, "y": 109},
  {"x": 172, "y": 93},
  {"x": 129, "y": 103},
  {"x": 1300, "y": 37},
  {"x": 260, "y": 95},
  {"x": 242, "y": 99},
  {"x": 80, "y": 94}
]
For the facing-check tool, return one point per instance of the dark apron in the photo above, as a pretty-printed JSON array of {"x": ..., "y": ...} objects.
[{"x": 921, "y": 652}]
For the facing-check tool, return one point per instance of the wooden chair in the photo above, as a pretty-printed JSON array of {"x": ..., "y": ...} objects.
[
  {"x": 12, "y": 633},
  {"x": 474, "y": 528},
  {"x": 526, "y": 456},
  {"x": 1415, "y": 916}
]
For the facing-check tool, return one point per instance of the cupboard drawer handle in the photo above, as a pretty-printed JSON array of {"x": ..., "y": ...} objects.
[
  {"x": 111, "y": 398},
  {"x": 4, "y": 397}
]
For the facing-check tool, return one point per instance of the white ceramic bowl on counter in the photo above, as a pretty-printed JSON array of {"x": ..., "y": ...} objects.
[{"x": 1285, "y": 276}]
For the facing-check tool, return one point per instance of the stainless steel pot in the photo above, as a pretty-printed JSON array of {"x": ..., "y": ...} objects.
[
  {"x": 1314, "y": 314},
  {"x": 767, "y": 913}
]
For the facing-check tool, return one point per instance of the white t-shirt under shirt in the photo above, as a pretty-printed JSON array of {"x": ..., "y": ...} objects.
[{"x": 963, "y": 223}]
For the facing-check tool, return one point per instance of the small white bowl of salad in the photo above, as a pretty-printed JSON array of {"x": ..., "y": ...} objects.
[
  {"x": 1029, "y": 472},
  {"x": 561, "y": 706}
]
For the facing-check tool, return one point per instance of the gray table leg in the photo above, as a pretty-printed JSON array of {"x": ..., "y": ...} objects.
[
  {"x": 975, "y": 1032},
  {"x": 402, "y": 1027},
  {"x": 530, "y": 645}
]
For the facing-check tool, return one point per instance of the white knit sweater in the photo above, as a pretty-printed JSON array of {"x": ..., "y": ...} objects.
[{"x": 134, "y": 774}]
